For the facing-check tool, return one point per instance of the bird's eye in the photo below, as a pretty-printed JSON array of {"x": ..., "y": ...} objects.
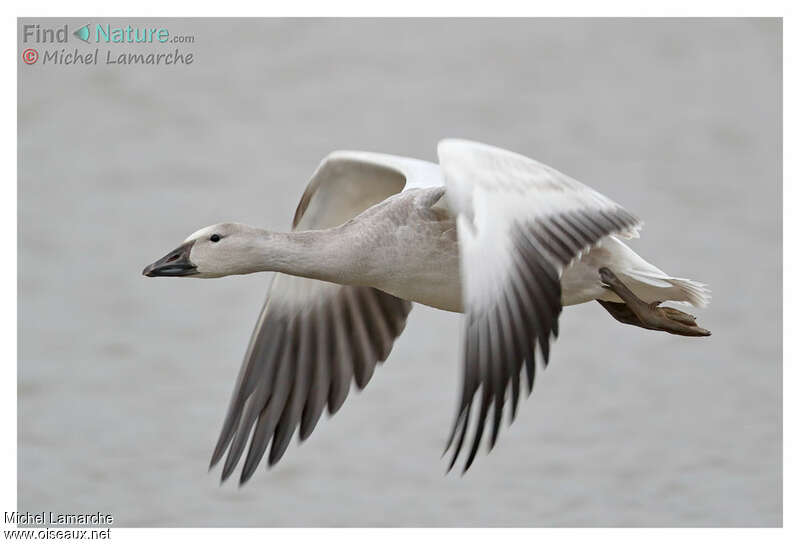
[{"x": 215, "y": 237}]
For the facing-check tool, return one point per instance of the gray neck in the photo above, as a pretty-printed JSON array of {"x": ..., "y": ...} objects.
[{"x": 327, "y": 254}]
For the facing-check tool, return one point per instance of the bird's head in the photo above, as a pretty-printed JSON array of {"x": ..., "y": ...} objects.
[{"x": 211, "y": 252}]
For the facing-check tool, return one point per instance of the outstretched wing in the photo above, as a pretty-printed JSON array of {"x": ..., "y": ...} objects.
[
  {"x": 520, "y": 223},
  {"x": 313, "y": 338}
]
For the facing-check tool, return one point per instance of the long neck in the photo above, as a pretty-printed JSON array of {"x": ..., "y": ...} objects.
[{"x": 327, "y": 254}]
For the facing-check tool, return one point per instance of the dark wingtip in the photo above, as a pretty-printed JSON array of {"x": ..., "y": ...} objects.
[
  {"x": 452, "y": 463},
  {"x": 250, "y": 465},
  {"x": 495, "y": 428},
  {"x": 454, "y": 430},
  {"x": 278, "y": 449},
  {"x": 512, "y": 413},
  {"x": 476, "y": 441},
  {"x": 219, "y": 448},
  {"x": 243, "y": 478},
  {"x": 468, "y": 464},
  {"x": 215, "y": 458},
  {"x": 228, "y": 468},
  {"x": 453, "y": 459}
]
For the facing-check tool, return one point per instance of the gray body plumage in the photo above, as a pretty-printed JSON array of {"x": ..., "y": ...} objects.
[{"x": 492, "y": 234}]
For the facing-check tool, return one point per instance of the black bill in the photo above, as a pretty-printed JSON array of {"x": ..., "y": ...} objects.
[{"x": 175, "y": 263}]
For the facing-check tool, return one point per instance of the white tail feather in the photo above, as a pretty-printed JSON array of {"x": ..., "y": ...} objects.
[{"x": 696, "y": 293}]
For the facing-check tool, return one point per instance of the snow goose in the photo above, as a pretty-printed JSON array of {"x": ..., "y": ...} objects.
[{"x": 500, "y": 237}]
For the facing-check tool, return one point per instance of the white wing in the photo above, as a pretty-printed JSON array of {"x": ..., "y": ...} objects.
[
  {"x": 312, "y": 337},
  {"x": 520, "y": 223}
]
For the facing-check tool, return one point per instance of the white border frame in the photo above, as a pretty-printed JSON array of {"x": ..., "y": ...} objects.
[{"x": 608, "y": 8}]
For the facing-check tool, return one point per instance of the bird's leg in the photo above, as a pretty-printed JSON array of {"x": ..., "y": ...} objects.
[
  {"x": 634, "y": 311},
  {"x": 677, "y": 315},
  {"x": 622, "y": 313}
]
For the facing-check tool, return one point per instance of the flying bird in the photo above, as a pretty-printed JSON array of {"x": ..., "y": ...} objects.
[{"x": 489, "y": 233}]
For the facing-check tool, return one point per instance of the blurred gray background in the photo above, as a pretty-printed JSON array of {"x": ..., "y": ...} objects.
[{"x": 124, "y": 380}]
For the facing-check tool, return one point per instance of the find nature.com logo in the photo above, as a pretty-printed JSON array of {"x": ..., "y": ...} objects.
[{"x": 102, "y": 34}]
